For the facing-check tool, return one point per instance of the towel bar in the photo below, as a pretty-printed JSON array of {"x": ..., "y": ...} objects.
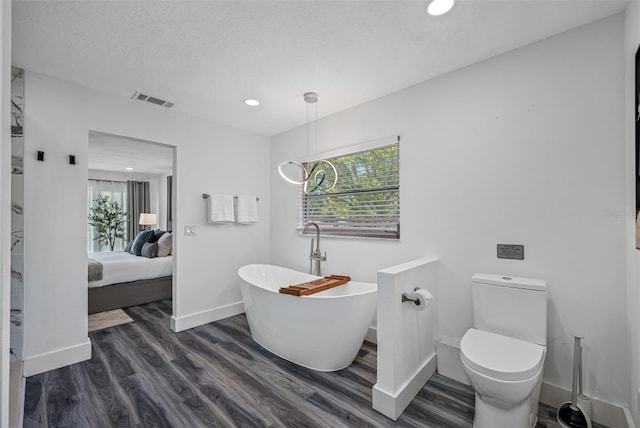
[{"x": 206, "y": 196}]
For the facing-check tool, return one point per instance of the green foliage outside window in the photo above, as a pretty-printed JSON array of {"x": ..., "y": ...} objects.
[
  {"x": 365, "y": 200},
  {"x": 109, "y": 221}
]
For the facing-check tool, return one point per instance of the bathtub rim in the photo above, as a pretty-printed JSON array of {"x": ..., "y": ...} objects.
[{"x": 373, "y": 286}]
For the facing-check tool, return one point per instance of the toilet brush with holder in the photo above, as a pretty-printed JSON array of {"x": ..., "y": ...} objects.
[
  {"x": 584, "y": 402},
  {"x": 572, "y": 414}
]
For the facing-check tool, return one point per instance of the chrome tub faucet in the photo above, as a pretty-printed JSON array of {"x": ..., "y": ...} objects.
[{"x": 315, "y": 255}]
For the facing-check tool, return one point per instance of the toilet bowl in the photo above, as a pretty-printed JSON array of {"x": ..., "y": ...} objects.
[
  {"x": 503, "y": 354},
  {"x": 506, "y": 374}
]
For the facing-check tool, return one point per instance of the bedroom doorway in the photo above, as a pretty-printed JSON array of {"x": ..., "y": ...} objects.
[{"x": 130, "y": 211}]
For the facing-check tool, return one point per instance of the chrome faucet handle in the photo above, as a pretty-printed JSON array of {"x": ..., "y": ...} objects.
[{"x": 316, "y": 255}]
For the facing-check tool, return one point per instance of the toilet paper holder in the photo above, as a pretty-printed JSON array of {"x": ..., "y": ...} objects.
[{"x": 406, "y": 298}]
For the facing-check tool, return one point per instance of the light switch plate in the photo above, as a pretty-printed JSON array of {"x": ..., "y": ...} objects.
[{"x": 189, "y": 230}]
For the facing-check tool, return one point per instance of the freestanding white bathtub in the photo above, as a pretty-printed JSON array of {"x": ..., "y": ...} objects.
[{"x": 323, "y": 331}]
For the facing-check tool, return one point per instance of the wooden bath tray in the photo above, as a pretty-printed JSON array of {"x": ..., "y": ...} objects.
[{"x": 315, "y": 286}]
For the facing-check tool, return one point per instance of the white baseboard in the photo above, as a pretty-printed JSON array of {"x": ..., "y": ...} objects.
[
  {"x": 449, "y": 363},
  {"x": 372, "y": 335},
  {"x": 629, "y": 417},
  {"x": 604, "y": 413},
  {"x": 392, "y": 405},
  {"x": 205, "y": 317},
  {"x": 52, "y": 360}
]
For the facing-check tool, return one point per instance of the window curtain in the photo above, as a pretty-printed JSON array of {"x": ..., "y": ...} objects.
[
  {"x": 169, "y": 203},
  {"x": 117, "y": 192},
  {"x": 139, "y": 202}
]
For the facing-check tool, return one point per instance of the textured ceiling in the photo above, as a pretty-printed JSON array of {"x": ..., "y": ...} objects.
[
  {"x": 208, "y": 56},
  {"x": 114, "y": 153}
]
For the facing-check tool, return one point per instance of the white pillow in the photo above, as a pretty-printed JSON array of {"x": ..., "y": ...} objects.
[{"x": 164, "y": 245}]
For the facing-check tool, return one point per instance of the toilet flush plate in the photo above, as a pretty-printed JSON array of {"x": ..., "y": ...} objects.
[{"x": 511, "y": 251}]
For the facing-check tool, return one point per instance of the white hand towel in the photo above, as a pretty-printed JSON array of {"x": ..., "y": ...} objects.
[
  {"x": 220, "y": 208},
  {"x": 247, "y": 209}
]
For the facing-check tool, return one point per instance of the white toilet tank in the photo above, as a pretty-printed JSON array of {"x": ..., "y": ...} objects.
[{"x": 514, "y": 307}]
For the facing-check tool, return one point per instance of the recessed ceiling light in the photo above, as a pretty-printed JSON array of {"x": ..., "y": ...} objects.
[
  {"x": 439, "y": 7},
  {"x": 129, "y": 168},
  {"x": 251, "y": 102}
]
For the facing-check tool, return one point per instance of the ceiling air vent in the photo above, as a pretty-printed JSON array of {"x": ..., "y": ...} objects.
[{"x": 157, "y": 101}]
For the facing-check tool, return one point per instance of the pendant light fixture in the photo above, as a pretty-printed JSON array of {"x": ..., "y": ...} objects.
[
  {"x": 319, "y": 179},
  {"x": 440, "y": 7},
  {"x": 315, "y": 178}
]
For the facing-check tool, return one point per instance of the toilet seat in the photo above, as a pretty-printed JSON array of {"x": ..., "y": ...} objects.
[{"x": 501, "y": 357}]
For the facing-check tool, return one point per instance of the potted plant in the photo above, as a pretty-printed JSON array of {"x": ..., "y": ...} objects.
[{"x": 108, "y": 219}]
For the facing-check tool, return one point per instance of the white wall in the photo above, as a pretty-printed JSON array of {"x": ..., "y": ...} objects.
[
  {"x": 5, "y": 205},
  {"x": 209, "y": 158},
  {"x": 406, "y": 336},
  {"x": 632, "y": 41},
  {"x": 525, "y": 148}
]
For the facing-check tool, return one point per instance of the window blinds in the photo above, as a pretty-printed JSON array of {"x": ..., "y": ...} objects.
[{"x": 365, "y": 201}]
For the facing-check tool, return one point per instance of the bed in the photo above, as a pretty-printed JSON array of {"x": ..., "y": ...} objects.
[{"x": 127, "y": 280}]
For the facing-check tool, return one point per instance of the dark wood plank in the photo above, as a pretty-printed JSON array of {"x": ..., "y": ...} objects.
[
  {"x": 171, "y": 384},
  {"x": 34, "y": 404},
  {"x": 329, "y": 383},
  {"x": 219, "y": 397},
  {"x": 249, "y": 384},
  {"x": 95, "y": 380},
  {"x": 143, "y": 374},
  {"x": 148, "y": 411},
  {"x": 65, "y": 402}
]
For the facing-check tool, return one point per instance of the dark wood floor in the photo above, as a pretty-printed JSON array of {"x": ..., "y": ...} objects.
[{"x": 144, "y": 375}]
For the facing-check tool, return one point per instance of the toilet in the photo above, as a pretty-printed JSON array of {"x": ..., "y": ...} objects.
[{"x": 503, "y": 355}]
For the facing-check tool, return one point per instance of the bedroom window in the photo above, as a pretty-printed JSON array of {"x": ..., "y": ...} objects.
[
  {"x": 365, "y": 201},
  {"x": 117, "y": 191}
]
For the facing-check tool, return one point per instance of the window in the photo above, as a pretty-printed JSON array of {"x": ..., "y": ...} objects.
[
  {"x": 117, "y": 192},
  {"x": 365, "y": 202}
]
